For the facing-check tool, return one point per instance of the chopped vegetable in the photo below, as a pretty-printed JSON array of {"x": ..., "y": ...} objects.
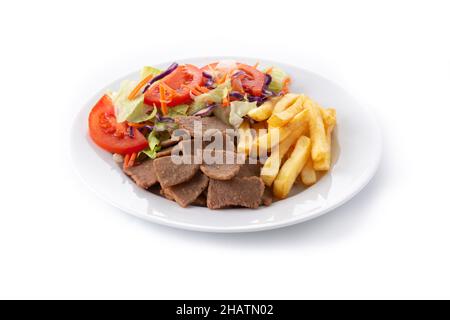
[
  {"x": 206, "y": 111},
  {"x": 153, "y": 145},
  {"x": 178, "y": 111},
  {"x": 132, "y": 159},
  {"x": 162, "y": 75},
  {"x": 146, "y": 71},
  {"x": 214, "y": 96},
  {"x": 162, "y": 100},
  {"x": 278, "y": 79},
  {"x": 238, "y": 110},
  {"x": 140, "y": 85},
  {"x": 130, "y": 110}
]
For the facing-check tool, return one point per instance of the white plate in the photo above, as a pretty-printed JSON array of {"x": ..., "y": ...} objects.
[{"x": 356, "y": 154}]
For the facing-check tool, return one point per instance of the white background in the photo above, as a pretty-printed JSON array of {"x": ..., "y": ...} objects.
[{"x": 57, "y": 240}]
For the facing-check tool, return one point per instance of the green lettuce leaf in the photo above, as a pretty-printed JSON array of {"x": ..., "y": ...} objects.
[
  {"x": 146, "y": 71},
  {"x": 131, "y": 110},
  {"x": 178, "y": 111},
  {"x": 278, "y": 78},
  {"x": 142, "y": 113},
  {"x": 239, "y": 109},
  {"x": 153, "y": 145},
  {"x": 214, "y": 96}
]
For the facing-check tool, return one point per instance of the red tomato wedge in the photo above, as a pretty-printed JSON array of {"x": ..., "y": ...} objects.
[
  {"x": 181, "y": 81},
  {"x": 252, "y": 81},
  {"x": 110, "y": 135}
]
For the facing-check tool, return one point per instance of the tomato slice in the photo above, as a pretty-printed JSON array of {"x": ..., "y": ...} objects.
[
  {"x": 252, "y": 81},
  {"x": 181, "y": 81},
  {"x": 110, "y": 135}
]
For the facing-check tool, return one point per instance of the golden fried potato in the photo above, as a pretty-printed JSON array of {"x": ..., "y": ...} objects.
[
  {"x": 286, "y": 101},
  {"x": 328, "y": 116},
  {"x": 279, "y": 119},
  {"x": 245, "y": 138},
  {"x": 320, "y": 147},
  {"x": 308, "y": 174},
  {"x": 264, "y": 111},
  {"x": 275, "y": 136},
  {"x": 292, "y": 168},
  {"x": 259, "y": 125},
  {"x": 329, "y": 119},
  {"x": 272, "y": 165}
]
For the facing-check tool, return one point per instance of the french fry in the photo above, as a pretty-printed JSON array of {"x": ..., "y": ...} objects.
[
  {"x": 308, "y": 174},
  {"x": 275, "y": 136},
  {"x": 329, "y": 119},
  {"x": 264, "y": 111},
  {"x": 285, "y": 102},
  {"x": 279, "y": 119},
  {"x": 272, "y": 165},
  {"x": 328, "y": 116},
  {"x": 292, "y": 168},
  {"x": 259, "y": 125},
  {"x": 244, "y": 138},
  {"x": 319, "y": 144}
]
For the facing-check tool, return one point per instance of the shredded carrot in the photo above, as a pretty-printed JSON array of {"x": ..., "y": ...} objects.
[
  {"x": 286, "y": 84},
  {"x": 132, "y": 159},
  {"x": 226, "y": 101},
  {"x": 136, "y": 125},
  {"x": 169, "y": 90},
  {"x": 162, "y": 99},
  {"x": 201, "y": 89},
  {"x": 140, "y": 85},
  {"x": 256, "y": 65},
  {"x": 196, "y": 92},
  {"x": 269, "y": 70},
  {"x": 224, "y": 77},
  {"x": 126, "y": 160}
]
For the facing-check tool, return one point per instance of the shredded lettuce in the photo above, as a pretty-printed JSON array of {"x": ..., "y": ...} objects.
[
  {"x": 223, "y": 114},
  {"x": 214, "y": 96},
  {"x": 131, "y": 110},
  {"x": 142, "y": 113},
  {"x": 146, "y": 71},
  {"x": 239, "y": 109},
  {"x": 153, "y": 145},
  {"x": 278, "y": 78},
  {"x": 177, "y": 111}
]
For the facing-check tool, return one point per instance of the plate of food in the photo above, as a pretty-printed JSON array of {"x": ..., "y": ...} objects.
[{"x": 225, "y": 144}]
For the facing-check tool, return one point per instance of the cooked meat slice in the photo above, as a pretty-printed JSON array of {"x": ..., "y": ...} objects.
[
  {"x": 240, "y": 192},
  {"x": 220, "y": 171},
  {"x": 170, "y": 174},
  {"x": 170, "y": 142},
  {"x": 143, "y": 174},
  {"x": 220, "y": 164},
  {"x": 187, "y": 147},
  {"x": 165, "y": 152},
  {"x": 250, "y": 170},
  {"x": 266, "y": 199},
  {"x": 188, "y": 192},
  {"x": 187, "y": 123},
  {"x": 165, "y": 195},
  {"x": 200, "y": 201}
]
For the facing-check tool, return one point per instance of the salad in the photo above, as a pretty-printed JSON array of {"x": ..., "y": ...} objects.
[{"x": 280, "y": 138}]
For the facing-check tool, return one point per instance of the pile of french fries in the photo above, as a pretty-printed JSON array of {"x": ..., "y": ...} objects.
[{"x": 297, "y": 141}]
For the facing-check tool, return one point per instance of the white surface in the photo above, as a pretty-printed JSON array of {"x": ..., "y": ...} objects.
[
  {"x": 58, "y": 240},
  {"x": 356, "y": 136}
]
